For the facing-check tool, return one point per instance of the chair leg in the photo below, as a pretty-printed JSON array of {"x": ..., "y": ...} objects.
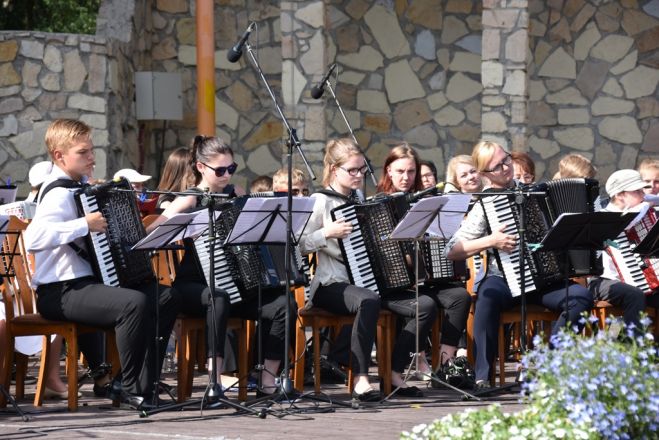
[
  {"x": 243, "y": 369},
  {"x": 21, "y": 371},
  {"x": 72, "y": 368},
  {"x": 183, "y": 356},
  {"x": 298, "y": 371},
  {"x": 316, "y": 358},
  {"x": 502, "y": 356},
  {"x": 43, "y": 369}
]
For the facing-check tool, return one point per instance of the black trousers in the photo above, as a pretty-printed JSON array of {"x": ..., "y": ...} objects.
[
  {"x": 130, "y": 312},
  {"x": 195, "y": 298},
  {"x": 453, "y": 299},
  {"x": 343, "y": 299},
  {"x": 630, "y": 298}
]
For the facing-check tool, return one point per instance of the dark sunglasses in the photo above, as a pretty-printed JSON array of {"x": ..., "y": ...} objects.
[
  {"x": 296, "y": 191},
  {"x": 219, "y": 171}
]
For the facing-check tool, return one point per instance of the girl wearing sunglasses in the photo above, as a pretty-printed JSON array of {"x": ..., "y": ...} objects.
[{"x": 213, "y": 166}]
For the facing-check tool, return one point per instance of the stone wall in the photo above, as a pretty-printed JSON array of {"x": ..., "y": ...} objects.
[
  {"x": 593, "y": 79},
  {"x": 47, "y": 76}
]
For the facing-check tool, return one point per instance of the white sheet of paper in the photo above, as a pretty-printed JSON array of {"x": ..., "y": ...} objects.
[
  {"x": 177, "y": 227},
  {"x": 451, "y": 216}
]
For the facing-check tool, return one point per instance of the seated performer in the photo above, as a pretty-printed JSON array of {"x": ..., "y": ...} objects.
[
  {"x": 428, "y": 172},
  {"x": 400, "y": 175},
  {"x": 494, "y": 294},
  {"x": 261, "y": 184},
  {"x": 66, "y": 286},
  {"x": 212, "y": 166},
  {"x": 649, "y": 169},
  {"x": 175, "y": 176},
  {"x": 524, "y": 168},
  {"x": 625, "y": 188},
  {"x": 300, "y": 186},
  {"x": 462, "y": 176},
  {"x": 343, "y": 174}
]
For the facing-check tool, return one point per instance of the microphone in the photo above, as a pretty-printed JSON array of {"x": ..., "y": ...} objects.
[
  {"x": 424, "y": 192},
  {"x": 236, "y": 51},
  {"x": 93, "y": 190},
  {"x": 317, "y": 92}
]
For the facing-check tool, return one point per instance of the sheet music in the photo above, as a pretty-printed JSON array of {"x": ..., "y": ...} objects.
[
  {"x": 257, "y": 214},
  {"x": 450, "y": 217},
  {"x": 177, "y": 227},
  {"x": 415, "y": 222}
]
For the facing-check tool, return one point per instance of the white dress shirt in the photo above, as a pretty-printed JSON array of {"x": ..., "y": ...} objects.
[{"x": 55, "y": 224}]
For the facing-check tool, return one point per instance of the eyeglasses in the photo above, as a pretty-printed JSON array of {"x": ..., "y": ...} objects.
[
  {"x": 355, "y": 171},
  {"x": 219, "y": 171},
  {"x": 507, "y": 162},
  {"x": 297, "y": 191}
]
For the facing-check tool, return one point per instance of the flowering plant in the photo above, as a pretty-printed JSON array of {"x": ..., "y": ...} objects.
[
  {"x": 578, "y": 387},
  {"x": 605, "y": 381}
]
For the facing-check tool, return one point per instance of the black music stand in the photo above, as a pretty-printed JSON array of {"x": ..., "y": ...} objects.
[
  {"x": 448, "y": 211},
  {"x": 178, "y": 227},
  {"x": 6, "y": 271},
  {"x": 7, "y": 194},
  {"x": 582, "y": 231},
  {"x": 649, "y": 246},
  {"x": 260, "y": 222}
]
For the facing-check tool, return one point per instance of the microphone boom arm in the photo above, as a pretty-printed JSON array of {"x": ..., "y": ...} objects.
[{"x": 369, "y": 167}]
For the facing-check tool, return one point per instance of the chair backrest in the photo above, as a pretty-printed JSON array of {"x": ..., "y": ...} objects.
[
  {"x": 165, "y": 261},
  {"x": 17, "y": 265}
]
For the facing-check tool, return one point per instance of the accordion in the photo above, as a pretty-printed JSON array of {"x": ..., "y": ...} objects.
[
  {"x": 113, "y": 261},
  {"x": 241, "y": 270},
  {"x": 542, "y": 268},
  {"x": 572, "y": 196},
  {"x": 373, "y": 260},
  {"x": 22, "y": 210},
  {"x": 634, "y": 269}
]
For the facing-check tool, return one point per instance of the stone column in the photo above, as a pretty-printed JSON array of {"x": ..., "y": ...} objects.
[
  {"x": 503, "y": 72},
  {"x": 304, "y": 60}
]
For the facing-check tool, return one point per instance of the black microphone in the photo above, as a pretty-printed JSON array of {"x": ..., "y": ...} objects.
[
  {"x": 317, "y": 92},
  {"x": 236, "y": 51},
  {"x": 93, "y": 190},
  {"x": 424, "y": 192}
]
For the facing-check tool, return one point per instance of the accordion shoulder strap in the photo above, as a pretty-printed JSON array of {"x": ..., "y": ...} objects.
[{"x": 64, "y": 183}]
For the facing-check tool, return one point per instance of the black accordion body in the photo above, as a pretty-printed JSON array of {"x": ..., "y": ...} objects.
[
  {"x": 541, "y": 268},
  {"x": 112, "y": 259},
  {"x": 373, "y": 260},
  {"x": 241, "y": 270}
]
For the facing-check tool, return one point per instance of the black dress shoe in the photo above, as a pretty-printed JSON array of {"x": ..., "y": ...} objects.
[
  {"x": 133, "y": 401},
  {"x": 411, "y": 391},
  {"x": 368, "y": 396}
]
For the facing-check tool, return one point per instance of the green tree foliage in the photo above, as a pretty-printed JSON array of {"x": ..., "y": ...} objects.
[{"x": 68, "y": 16}]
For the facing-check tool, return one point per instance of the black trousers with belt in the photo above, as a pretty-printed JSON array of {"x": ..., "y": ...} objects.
[{"x": 130, "y": 312}]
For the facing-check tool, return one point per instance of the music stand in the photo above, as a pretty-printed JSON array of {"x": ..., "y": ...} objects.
[
  {"x": 582, "y": 231},
  {"x": 7, "y": 272},
  {"x": 419, "y": 221},
  {"x": 178, "y": 227},
  {"x": 7, "y": 194},
  {"x": 260, "y": 222}
]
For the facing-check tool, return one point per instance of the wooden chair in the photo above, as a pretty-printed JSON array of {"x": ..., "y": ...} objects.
[
  {"x": 603, "y": 309},
  {"x": 534, "y": 313},
  {"x": 23, "y": 320},
  {"x": 191, "y": 331},
  {"x": 317, "y": 318}
]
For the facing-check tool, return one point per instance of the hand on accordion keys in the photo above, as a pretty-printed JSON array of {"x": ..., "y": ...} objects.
[
  {"x": 503, "y": 241},
  {"x": 96, "y": 222},
  {"x": 339, "y": 228}
]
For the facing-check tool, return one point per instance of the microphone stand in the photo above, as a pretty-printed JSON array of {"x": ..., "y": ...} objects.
[
  {"x": 286, "y": 385},
  {"x": 369, "y": 167}
]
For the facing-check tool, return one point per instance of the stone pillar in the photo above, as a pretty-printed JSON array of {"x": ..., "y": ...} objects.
[
  {"x": 304, "y": 61},
  {"x": 504, "y": 72}
]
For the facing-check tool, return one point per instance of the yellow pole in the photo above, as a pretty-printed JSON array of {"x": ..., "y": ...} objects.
[{"x": 205, "y": 68}]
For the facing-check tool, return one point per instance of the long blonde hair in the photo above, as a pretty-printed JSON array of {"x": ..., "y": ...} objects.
[{"x": 337, "y": 152}]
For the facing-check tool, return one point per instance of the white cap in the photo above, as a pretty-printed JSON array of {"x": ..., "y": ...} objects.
[
  {"x": 39, "y": 172},
  {"x": 132, "y": 175},
  {"x": 624, "y": 180}
]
